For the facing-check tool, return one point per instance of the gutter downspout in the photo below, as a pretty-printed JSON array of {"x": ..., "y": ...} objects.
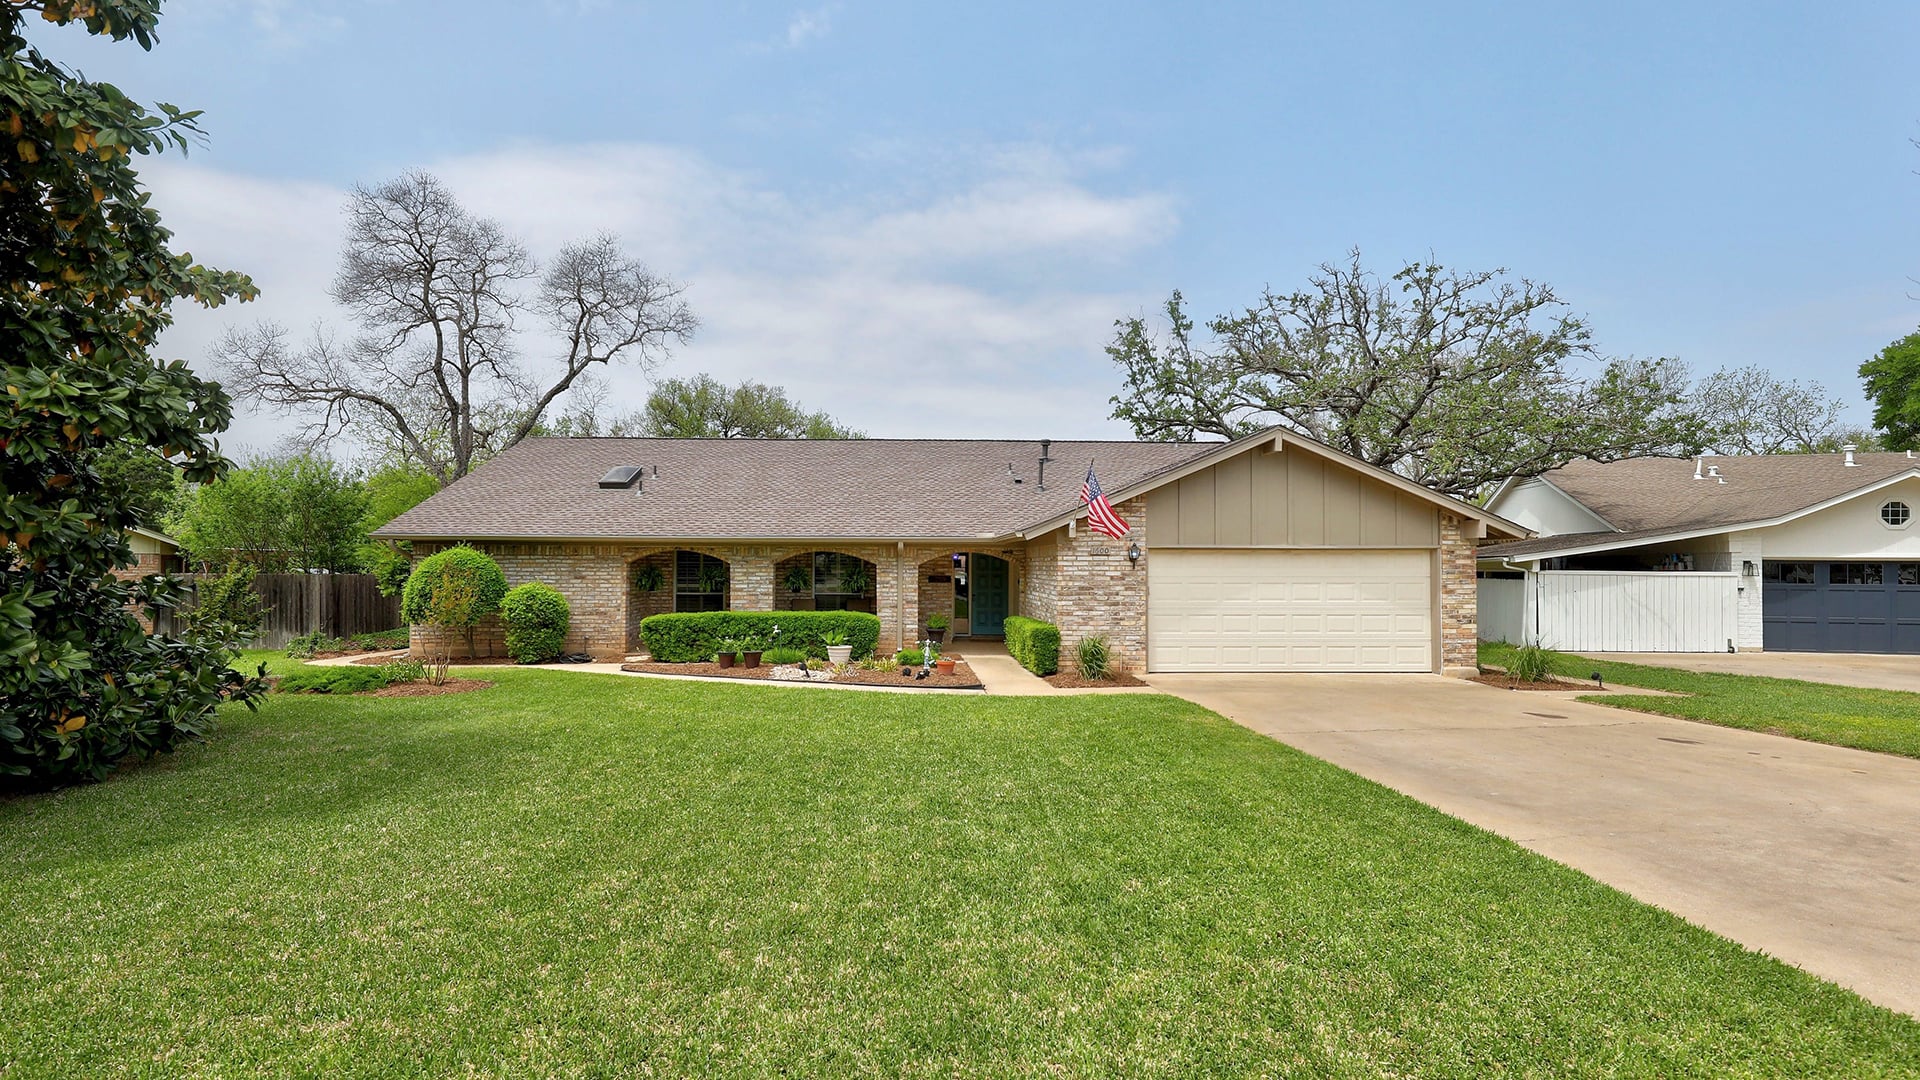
[{"x": 1529, "y": 597}]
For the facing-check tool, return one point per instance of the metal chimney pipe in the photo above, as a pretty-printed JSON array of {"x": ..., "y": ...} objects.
[{"x": 1045, "y": 445}]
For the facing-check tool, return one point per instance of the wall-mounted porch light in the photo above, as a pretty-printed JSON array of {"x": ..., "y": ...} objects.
[
  {"x": 1747, "y": 569},
  {"x": 1133, "y": 552}
]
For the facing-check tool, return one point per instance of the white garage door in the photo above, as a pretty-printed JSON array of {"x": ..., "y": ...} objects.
[{"x": 1260, "y": 610}]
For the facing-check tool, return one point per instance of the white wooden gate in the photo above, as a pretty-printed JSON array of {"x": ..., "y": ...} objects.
[
  {"x": 1633, "y": 611},
  {"x": 1502, "y": 610}
]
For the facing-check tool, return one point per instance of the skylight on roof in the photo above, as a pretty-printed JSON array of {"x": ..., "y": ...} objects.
[{"x": 622, "y": 476}]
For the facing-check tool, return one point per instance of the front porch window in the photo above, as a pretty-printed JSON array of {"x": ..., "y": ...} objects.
[
  {"x": 842, "y": 582},
  {"x": 699, "y": 582}
]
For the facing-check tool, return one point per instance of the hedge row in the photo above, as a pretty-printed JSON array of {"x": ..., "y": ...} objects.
[
  {"x": 1035, "y": 644},
  {"x": 686, "y": 637}
]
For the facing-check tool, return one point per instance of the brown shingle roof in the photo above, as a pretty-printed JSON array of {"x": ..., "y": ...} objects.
[
  {"x": 771, "y": 489},
  {"x": 1647, "y": 497}
]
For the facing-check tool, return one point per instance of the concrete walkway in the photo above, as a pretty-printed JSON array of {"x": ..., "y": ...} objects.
[
  {"x": 1002, "y": 675},
  {"x": 1871, "y": 670},
  {"x": 1810, "y": 853}
]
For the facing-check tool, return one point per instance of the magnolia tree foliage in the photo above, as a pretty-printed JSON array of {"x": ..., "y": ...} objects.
[
  {"x": 1455, "y": 379},
  {"x": 87, "y": 275}
]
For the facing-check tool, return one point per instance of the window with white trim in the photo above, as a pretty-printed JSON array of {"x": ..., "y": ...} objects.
[{"x": 1896, "y": 514}]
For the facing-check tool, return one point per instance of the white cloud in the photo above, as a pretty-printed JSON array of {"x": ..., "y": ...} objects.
[
  {"x": 973, "y": 312},
  {"x": 283, "y": 24},
  {"x": 810, "y": 25}
]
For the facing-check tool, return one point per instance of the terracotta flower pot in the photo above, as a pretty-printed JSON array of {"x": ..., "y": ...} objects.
[
  {"x": 749, "y": 659},
  {"x": 944, "y": 665}
]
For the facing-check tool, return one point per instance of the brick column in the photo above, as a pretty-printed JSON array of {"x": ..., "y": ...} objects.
[
  {"x": 1459, "y": 598},
  {"x": 1098, "y": 591},
  {"x": 892, "y": 578},
  {"x": 750, "y": 582}
]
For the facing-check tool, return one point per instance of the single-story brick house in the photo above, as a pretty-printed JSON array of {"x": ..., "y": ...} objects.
[
  {"x": 1270, "y": 553},
  {"x": 1798, "y": 552}
]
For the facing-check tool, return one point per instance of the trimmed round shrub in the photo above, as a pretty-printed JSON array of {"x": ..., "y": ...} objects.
[
  {"x": 536, "y": 616},
  {"x": 461, "y": 571}
]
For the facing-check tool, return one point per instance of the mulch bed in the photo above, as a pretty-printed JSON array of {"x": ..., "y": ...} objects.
[
  {"x": 457, "y": 661},
  {"x": 425, "y": 689},
  {"x": 1067, "y": 680},
  {"x": 962, "y": 677},
  {"x": 1508, "y": 682}
]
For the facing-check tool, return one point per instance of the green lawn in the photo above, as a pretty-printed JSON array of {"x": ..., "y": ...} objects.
[
  {"x": 584, "y": 875},
  {"x": 1883, "y": 720}
]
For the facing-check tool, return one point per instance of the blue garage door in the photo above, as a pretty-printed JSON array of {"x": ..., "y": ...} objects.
[{"x": 1869, "y": 607}]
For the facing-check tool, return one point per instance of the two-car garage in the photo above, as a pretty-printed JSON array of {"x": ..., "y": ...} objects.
[{"x": 1267, "y": 610}]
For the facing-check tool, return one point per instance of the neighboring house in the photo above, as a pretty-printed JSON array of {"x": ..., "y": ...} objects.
[
  {"x": 1272, "y": 553},
  {"x": 154, "y": 553},
  {"x": 1808, "y": 552}
]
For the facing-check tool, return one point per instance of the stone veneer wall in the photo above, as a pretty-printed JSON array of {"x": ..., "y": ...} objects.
[
  {"x": 1084, "y": 585},
  {"x": 1459, "y": 599}
]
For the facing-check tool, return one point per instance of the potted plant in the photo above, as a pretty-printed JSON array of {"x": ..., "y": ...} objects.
[
  {"x": 944, "y": 665},
  {"x": 839, "y": 653},
  {"x": 648, "y": 577},
  {"x": 713, "y": 578},
  {"x": 937, "y": 624},
  {"x": 750, "y": 654},
  {"x": 729, "y": 649},
  {"x": 856, "y": 580},
  {"x": 798, "y": 579}
]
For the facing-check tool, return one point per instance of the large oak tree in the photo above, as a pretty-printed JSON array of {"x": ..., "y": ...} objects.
[{"x": 1455, "y": 379}]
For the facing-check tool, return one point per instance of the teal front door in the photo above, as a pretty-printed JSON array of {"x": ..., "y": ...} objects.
[{"x": 987, "y": 582}]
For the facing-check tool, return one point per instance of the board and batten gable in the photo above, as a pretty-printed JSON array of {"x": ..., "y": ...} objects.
[{"x": 1263, "y": 498}]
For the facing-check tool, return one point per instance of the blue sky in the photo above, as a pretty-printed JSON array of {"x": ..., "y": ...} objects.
[{"x": 925, "y": 219}]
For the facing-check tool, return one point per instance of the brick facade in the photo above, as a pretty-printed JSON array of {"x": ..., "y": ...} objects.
[
  {"x": 1082, "y": 583},
  {"x": 1085, "y": 585}
]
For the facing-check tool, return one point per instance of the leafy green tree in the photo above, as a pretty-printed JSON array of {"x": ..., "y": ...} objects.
[
  {"x": 705, "y": 408},
  {"x": 1892, "y": 380},
  {"x": 1750, "y": 410},
  {"x": 277, "y": 515},
  {"x": 392, "y": 491},
  {"x": 150, "y": 481},
  {"x": 1453, "y": 379},
  {"x": 87, "y": 275},
  {"x": 468, "y": 576}
]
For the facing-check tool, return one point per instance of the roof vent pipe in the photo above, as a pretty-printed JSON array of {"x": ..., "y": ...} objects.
[
  {"x": 1848, "y": 450},
  {"x": 1697, "y": 462},
  {"x": 1713, "y": 472},
  {"x": 1041, "y": 480}
]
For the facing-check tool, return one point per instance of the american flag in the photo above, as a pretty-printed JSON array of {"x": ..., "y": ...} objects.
[{"x": 1100, "y": 515}]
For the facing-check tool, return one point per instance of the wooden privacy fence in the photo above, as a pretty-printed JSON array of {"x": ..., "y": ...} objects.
[{"x": 338, "y": 605}]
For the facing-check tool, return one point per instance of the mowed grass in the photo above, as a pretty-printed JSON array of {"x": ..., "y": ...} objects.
[
  {"x": 1884, "y": 720},
  {"x": 586, "y": 875}
]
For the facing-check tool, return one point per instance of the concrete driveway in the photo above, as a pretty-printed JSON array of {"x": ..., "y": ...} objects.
[
  {"x": 1808, "y": 852},
  {"x": 1873, "y": 670}
]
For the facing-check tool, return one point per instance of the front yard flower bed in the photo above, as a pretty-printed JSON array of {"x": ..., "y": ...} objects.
[{"x": 961, "y": 678}]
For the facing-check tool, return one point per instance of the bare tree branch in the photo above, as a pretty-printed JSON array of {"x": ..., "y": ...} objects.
[{"x": 433, "y": 375}]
